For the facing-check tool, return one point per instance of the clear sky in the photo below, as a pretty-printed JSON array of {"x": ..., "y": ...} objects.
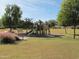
[{"x": 36, "y": 9}]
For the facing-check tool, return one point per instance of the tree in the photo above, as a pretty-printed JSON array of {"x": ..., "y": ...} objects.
[
  {"x": 69, "y": 13},
  {"x": 52, "y": 23},
  {"x": 28, "y": 23},
  {"x": 1, "y": 24},
  {"x": 12, "y": 16},
  {"x": 5, "y": 21},
  {"x": 21, "y": 24}
]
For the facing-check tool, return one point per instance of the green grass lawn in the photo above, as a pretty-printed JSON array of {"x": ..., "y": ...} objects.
[{"x": 41, "y": 48}]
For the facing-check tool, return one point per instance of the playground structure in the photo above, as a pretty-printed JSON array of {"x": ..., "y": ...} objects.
[{"x": 41, "y": 28}]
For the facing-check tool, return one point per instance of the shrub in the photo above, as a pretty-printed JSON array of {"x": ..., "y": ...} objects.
[
  {"x": 7, "y": 40},
  {"x": 8, "y": 37}
]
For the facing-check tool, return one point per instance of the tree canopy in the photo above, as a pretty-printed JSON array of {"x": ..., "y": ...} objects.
[
  {"x": 11, "y": 16},
  {"x": 69, "y": 13}
]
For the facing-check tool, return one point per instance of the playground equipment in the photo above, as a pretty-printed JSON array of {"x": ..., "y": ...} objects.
[{"x": 41, "y": 28}]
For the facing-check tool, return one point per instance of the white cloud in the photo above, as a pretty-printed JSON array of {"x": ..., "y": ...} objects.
[
  {"x": 30, "y": 7},
  {"x": 3, "y": 4}
]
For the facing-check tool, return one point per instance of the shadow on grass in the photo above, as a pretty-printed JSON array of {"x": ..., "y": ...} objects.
[
  {"x": 41, "y": 36},
  {"x": 2, "y": 42},
  {"x": 47, "y": 36}
]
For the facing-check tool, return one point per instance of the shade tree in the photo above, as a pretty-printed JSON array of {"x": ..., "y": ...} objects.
[
  {"x": 69, "y": 14},
  {"x": 11, "y": 16}
]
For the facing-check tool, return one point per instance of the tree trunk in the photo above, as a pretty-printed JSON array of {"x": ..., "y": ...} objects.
[
  {"x": 74, "y": 32},
  {"x": 10, "y": 29},
  {"x": 65, "y": 30},
  {"x": 10, "y": 26},
  {"x": 74, "y": 21}
]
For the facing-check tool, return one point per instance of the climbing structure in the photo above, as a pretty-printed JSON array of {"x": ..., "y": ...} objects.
[{"x": 40, "y": 28}]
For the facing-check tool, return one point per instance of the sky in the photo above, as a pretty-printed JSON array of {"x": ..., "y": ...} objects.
[{"x": 35, "y": 9}]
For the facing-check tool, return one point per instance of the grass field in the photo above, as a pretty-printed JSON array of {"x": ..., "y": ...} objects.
[
  {"x": 62, "y": 31},
  {"x": 42, "y": 48},
  {"x": 69, "y": 33}
]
